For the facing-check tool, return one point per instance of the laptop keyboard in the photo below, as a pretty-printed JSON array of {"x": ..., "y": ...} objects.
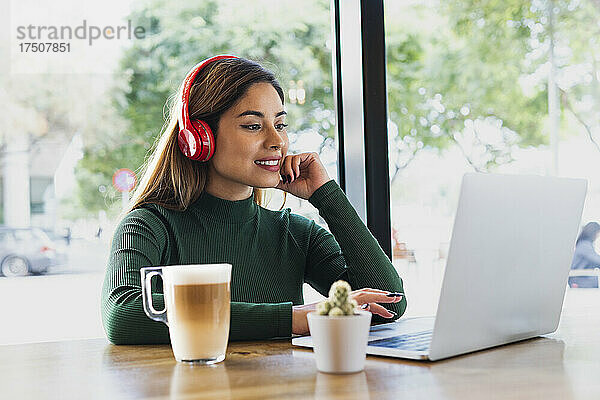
[{"x": 418, "y": 341}]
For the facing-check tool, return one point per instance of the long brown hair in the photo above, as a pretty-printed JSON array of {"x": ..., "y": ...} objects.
[{"x": 172, "y": 180}]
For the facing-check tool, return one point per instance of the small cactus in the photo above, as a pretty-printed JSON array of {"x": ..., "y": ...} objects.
[{"x": 338, "y": 302}]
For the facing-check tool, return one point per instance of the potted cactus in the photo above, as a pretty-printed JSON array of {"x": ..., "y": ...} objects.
[{"x": 339, "y": 331}]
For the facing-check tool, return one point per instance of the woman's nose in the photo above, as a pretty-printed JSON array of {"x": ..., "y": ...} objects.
[{"x": 275, "y": 140}]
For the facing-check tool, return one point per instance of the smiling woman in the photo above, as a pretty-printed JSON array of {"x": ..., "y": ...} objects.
[{"x": 199, "y": 202}]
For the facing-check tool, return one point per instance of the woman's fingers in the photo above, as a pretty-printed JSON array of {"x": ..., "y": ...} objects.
[
  {"x": 285, "y": 168},
  {"x": 380, "y": 310},
  {"x": 371, "y": 290},
  {"x": 290, "y": 167},
  {"x": 367, "y": 298},
  {"x": 370, "y": 297},
  {"x": 295, "y": 168}
]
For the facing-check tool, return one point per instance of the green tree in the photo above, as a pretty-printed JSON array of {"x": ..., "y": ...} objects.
[
  {"x": 461, "y": 64},
  {"x": 507, "y": 43},
  {"x": 578, "y": 32}
]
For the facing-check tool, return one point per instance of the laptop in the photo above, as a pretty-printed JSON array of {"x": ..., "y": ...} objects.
[{"x": 506, "y": 273}]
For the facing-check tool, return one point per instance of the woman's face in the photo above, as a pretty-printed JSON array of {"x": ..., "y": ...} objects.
[{"x": 251, "y": 130}]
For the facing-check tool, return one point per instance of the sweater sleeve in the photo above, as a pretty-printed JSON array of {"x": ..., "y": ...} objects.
[
  {"x": 349, "y": 252},
  {"x": 142, "y": 240}
]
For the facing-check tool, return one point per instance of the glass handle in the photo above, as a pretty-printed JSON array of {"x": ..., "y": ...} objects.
[{"x": 147, "y": 275}]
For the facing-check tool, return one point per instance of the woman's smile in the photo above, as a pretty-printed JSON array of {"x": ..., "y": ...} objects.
[
  {"x": 270, "y": 165},
  {"x": 273, "y": 168}
]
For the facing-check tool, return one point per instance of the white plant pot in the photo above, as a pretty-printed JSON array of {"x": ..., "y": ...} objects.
[{"x": 340, "y": 343}]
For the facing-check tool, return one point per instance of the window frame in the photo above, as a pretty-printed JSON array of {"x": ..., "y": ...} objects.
[{"x": 361, "y": 111}]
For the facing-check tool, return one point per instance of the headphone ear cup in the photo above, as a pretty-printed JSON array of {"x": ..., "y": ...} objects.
[
  {"x": 205, "y": 140},
  {"x": 195, "y": 138},
  {"x": 188, "y": 143}
]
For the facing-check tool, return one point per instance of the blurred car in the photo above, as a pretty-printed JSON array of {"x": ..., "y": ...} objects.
[{"x": 25, "y": 251}]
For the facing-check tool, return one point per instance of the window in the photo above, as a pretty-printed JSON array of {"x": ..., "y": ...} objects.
[
  {"x": 473, "y": 87},
  {"x": 98, "y": 107}
]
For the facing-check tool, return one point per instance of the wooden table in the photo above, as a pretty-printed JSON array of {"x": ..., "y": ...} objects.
[{"x": 562, "y": 365}]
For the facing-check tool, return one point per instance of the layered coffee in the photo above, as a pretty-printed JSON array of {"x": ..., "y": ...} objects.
[{"x": 198, "y": 310}]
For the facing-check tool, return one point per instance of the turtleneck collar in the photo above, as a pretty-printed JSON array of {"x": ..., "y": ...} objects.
[{"x": 228, "y": 211}]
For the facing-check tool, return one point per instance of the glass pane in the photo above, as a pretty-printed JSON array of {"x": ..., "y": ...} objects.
[
  {"x": 474, "y": 87},
  {"x": 93, "y": 106}
]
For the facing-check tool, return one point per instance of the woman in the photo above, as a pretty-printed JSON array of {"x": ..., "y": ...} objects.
[
  {"x": 198, "y": 212},
  {"x": 585, "y": 256}
]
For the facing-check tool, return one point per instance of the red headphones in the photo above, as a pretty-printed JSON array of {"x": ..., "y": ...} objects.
[{"x": 195, "y": 138}]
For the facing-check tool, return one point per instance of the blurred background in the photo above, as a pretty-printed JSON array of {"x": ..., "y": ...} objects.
[{"x": 473, "y": 85}]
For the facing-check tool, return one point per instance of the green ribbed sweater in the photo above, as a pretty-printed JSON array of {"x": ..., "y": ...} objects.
[{"x": 272, "y": 253}]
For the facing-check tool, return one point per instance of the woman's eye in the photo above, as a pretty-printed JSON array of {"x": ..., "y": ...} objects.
[
  {"x": 280, "y": 126},
  {"x": 252, "y": 127}
]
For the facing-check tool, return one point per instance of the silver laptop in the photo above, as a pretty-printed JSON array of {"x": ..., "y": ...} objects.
[{"x": 507, "y": 269}]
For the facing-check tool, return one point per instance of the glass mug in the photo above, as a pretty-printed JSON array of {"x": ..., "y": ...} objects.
[{"x": 197, "y": 309}]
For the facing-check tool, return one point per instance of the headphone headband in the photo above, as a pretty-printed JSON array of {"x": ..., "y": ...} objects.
[{"x": 192, "y": 143}]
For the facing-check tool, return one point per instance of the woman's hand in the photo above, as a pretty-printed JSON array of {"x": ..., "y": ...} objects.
[
  {"x": 362, "y": 296},
  {"x": 302, "y": 174}
]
